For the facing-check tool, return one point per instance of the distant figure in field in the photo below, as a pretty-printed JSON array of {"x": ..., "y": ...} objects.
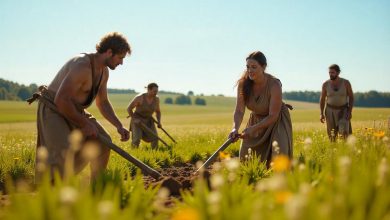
[
  {"x": 142, "y": 123},
  {"x": 269, "y": 120},
  {"x": 338, "y": 96},
  {"x": 62, "y": 105}
]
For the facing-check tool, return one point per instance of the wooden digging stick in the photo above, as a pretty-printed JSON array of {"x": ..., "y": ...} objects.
[
  {"x": 152, "y": 133},
  {"x": 155, "y": 121},
  {"x": 215, "y": 154},
  {"x": 145, "y": 168}
]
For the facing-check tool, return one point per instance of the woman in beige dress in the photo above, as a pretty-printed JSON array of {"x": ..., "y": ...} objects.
[{"x": 269, "y": 131}]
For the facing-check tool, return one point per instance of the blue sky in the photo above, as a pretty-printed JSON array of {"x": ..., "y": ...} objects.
[{"x": 201, "y": 45}]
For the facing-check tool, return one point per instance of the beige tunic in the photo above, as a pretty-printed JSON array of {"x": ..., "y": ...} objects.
[
  {"x": 144, "y": 112},
  {"x": 280, "y": 131},
  {"x": 336, "y": 110}
]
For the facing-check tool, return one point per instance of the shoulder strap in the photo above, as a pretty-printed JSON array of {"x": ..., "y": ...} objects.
[{"x": 95, "y": 85}]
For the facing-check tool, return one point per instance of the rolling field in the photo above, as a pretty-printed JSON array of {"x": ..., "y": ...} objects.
[{"x": 343, "y": 180}]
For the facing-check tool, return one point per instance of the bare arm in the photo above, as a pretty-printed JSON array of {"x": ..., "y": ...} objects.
[
  {"x": 350, "y": 98},
  {"x": 104, "y": 105},
  {"x": 158, "y": 112},
  {"x": 239, "y": 110},
  {"x": 322, "y": 102},
  {"x": 238, "y": 114},
  {"x": 134, "y": 103}
]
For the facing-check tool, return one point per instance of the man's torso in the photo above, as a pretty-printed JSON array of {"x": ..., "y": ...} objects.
[
  {"x": 80, "y": 62},
  {"x": 336, "y": 93}
]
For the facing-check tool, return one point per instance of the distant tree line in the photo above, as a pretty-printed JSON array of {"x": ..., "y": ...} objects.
[
  {"x": 372, "y": 99},
  {"x": 305, "y": 96},
  {"x": 362, "y": 99},
  {"x": 169, "y": 92},
  {"x": 16, "y": 92},
  {"x": 121, "y": 91},
  {"x": 13, "y": 91},
  {"x": 185, "y": 100}
]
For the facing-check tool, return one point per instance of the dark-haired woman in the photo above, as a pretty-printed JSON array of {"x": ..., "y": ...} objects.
[
  {"x": 145, "y": 105},
  {"x": 269, "y": 131}
]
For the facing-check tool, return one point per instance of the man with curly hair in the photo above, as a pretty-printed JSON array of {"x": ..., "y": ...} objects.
[{"x": 62, "y": 105}]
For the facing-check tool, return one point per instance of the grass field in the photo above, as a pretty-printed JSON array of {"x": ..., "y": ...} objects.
[{"x": 328, "y": 180}]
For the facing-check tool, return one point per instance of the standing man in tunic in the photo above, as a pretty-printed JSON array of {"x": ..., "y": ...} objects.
[
  {"x": 142, "y": 123},
  {"x": 337, "y": 112},
  {"x": 62, "y": 105}
]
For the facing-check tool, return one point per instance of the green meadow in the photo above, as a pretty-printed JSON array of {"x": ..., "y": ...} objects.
[{"x": 342, "y": 180}]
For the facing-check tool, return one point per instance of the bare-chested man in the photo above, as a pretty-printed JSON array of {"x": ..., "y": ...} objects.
[
  {"x": 62, "y": 105},
  {"x": 338, "y": 95},
  {"x": 142, "y": 124}
]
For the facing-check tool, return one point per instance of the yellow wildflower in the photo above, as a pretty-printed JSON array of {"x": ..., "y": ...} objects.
[
  {"x": 280, "y": 163},
  {"x": 186, "y": 214},
  {"x": 379, "y": 134},
  {"x": 282, "y": 197},
  {"x": 223, "y": 155}
]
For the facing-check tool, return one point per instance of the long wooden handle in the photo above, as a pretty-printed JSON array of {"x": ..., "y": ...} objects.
[
  {"x": 168, "y": 135},
  {"x": 152, "y": 133},
  {"x": 145, "y": 168},
  {"x": 155, "y": 121},
  {"x": 215, "y": 154}
]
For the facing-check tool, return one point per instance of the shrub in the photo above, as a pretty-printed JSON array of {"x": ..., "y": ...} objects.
[
  {"x": 168, "y": 100},
  {"x": 183, "y": 100},
  {"x": 200, "y": 101}
]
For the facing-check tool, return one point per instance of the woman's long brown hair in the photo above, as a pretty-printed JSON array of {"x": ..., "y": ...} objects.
[{"x": 245, "y": 81}]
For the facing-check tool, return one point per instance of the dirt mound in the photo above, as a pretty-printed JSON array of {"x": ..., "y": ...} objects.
[{"x": 176, "y": 178}]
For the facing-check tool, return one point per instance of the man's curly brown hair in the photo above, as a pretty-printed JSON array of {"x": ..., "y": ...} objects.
[{"x": 114, "y": 41}]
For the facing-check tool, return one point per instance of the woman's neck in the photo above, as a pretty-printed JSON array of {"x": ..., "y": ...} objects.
[{"x": 260, "y": 80}]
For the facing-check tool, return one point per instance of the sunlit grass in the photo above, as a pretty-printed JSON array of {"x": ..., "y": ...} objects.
[{"x": 343, "y": 180}]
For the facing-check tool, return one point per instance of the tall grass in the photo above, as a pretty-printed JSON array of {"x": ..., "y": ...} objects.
[{"x": 343, "y": 180}]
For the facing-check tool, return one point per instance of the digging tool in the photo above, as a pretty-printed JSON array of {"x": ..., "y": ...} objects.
[
  {"x": 173, "y": 185},
  {"x": 155, "y": 121},
  {"x": 151, "y": 132},
  {"x": 145, "y": 168},
  {"x": 215, "y": 154}
]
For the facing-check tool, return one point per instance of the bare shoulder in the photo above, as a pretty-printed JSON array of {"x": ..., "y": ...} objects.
[
  {"x": 275, "y": 85},
  {"x": 80, "y": 61},
  {"x": 240, "y": 87},
  {"x": 324, "y": 84},
  {"x": 81, "y": 66},
  {"x": 138, "y": 98},
  {"x": 274, "y": 82},
  {"x": 346, "y": 81}
]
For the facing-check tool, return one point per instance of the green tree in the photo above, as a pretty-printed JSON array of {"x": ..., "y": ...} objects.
[
  {"x": 3, "y": 93},
  {"x": 183, "y": 100},
  {"x": 24, "y": 93},
  {"x": 168, "y": 100},
  {"x": 200, "y": 101}
]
